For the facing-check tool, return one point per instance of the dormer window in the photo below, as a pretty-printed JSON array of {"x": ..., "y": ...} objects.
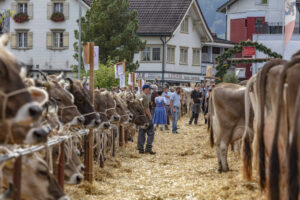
[{"x": 185, "y": 26}]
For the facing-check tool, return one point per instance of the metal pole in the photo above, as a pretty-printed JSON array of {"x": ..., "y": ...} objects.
[{"x": 79, "y": 39}]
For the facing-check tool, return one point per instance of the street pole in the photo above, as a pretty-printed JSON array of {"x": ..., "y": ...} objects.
[{"x": 79, "y": 39}]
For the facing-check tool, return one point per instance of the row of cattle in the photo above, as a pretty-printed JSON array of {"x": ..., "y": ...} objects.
[
  {"x": 265, "y": 115},
  {"x": 33, "y": 111}
]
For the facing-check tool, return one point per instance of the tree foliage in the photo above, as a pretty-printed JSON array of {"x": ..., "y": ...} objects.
[
  {"x": 224, "y": 64},
  {"x": 230, "y": 78},
  {"x": 112, "y": 26}
]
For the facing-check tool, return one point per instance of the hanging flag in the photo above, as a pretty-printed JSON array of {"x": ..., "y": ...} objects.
[{"x": 290, "y": 19}]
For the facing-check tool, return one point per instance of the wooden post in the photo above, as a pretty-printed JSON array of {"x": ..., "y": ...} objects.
[
  {"x": 102, "y": 152},
  {"x": 17, "y": 178},
  {"x": 61, "y": 165},
  {"x": 123, "y": 136},
  {"x": 89, "y": 140},
  {"x": 113, "y": 140}
]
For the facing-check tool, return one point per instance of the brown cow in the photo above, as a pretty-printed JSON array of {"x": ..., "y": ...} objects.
[
  {"x": 83, "y": 101},
  {"x": 37, "y": 182},
  {"x": 16, "y": 102},
  {"x": 227, "y": 119},
  {"x": 122, "y": 110}
]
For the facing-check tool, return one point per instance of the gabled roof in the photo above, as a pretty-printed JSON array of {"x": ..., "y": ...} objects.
[
  {"x": 88, "y": 2},
  {"x": 222, "y": 8},
  {"x": 159, "y": 17}
]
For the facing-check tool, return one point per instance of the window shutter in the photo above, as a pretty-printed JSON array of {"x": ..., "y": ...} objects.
[
  {"x": 49, "y": 40},
  {"x": 14, "y": 7},
  {"x": 30, "y": 10},
  {"x": 30, "y": 40},
  {"x": 13, "y": 40},
  {"x": 49, "y": 10},
  {"x": 66, "y": 10},
  {"x": 66, "y": 40}
]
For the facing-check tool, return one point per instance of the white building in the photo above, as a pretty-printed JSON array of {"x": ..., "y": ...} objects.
[
  {"x": 41, "y": 42},
  {"x": 261, "y": 21},
  {"x": 176, "y": 34}
]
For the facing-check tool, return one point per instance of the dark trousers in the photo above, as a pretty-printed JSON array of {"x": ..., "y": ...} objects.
[
  {"x": 168, "y": 112},
  {"x": 142, "y": 138},
  {"x": 194, "y": 117}
]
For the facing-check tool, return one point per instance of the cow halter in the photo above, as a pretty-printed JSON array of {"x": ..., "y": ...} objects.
[
  {"x": 6, "y": 96},
  {"x": 9, "y": 136},
  {"x": 112, "y": 108},
  {"x": 65, "y": 108}
]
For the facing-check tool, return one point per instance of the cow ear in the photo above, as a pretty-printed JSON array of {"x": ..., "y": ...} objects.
[{"x": 39, "y": 95}]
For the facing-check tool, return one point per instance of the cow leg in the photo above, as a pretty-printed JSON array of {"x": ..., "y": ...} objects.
[
  {"x": 223, "y": 152},
  {"x": 219, "y": 158}
]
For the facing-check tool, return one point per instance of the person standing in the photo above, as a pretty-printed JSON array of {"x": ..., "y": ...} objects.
[
  {"x": 142, "y": 132},
  {"x": 167, "y": 95},
  {"x": 153, "y": 96},
  {"x": 160, "y": 117},
  {"x": 196, "y": 100},
  {"x": 175, "y": 108}
]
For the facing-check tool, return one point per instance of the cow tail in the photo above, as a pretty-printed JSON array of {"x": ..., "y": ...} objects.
[
  {"x": 246, "y": 145},
  {"x": 262, "y": 78},
  {"x": 210, "y": 113}
]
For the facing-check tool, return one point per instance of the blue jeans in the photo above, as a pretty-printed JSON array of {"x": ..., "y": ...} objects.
[
  {"x": 142, "y": 138},
  {"x": 175, "y": 116}
]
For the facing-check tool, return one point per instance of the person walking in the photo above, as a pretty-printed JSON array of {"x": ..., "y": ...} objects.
[
  {"x": 196, "y": 101},
  {"x": 175, "y": 108},
  {"x": 153, "y": 96},
  {"x": 142, "y": 132},
  {"x": 167, "y": 95},
  {"x": 160, "y": 117}
]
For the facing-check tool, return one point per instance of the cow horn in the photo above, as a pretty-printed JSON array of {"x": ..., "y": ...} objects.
[
  {"x": 70, "y": 80},
  {"x": 84, "y": 81},
  {"x": 60, "y": 76},
  {"x": 43, "y": 74}
]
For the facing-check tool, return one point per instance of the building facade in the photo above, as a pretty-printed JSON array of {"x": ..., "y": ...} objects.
[
  {"x": 179, "y": 42},
  {"x": 42, "y": 32},
  {"x": 261, "y": 21}
]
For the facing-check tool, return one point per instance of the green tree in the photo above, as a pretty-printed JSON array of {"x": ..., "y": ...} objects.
[
  {"x": 112, "y": 26},
  {"x": 230, "y": 78}
]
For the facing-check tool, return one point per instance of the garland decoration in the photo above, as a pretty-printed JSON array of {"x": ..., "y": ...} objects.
[{"x": 223, "y": 59}]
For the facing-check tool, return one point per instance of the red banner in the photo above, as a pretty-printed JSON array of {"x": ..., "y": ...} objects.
[{"x": 248, "y": 51}]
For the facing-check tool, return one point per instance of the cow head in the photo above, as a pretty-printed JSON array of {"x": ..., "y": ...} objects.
[
  {"x": 37, "y": 182},
  {"x": 122, "y": 110},
  {"x": 16, "y": 103},
  {"x": 110, "y": 105},
  {"x": 83, "y": 101},
  {"x": 139, "y": 114},
  {"x": 67, "y": 111},
  {"x": 73, "y": 165},
  {"x": 101, "y": 109}
]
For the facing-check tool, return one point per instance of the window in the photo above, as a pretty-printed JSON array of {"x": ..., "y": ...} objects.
[
  {"x": 58, "y": 39},
  {"x": 22, "y": 40},
  {"x": 216, "y": 50},
  {"x": 146, "y": 54},
  {"x": 261, "y": 1},
  {"x": 171, "y": 55},
  {"x": 185, "y": 25},
  {"x": 58, "y": 8},
  {"x": 205, "y": 49},
  {"x": 196, "y": 56},
  {"x": 22, "y": 7},
  {"x": 156, "y": 54},
  {"x": 184, "y": 56}
]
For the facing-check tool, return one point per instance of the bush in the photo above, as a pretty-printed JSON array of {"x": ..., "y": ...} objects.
[{"x": 231, "y": 78}]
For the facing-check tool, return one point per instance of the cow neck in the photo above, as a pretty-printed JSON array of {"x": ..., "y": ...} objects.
[{"x": 65, "y": 108}]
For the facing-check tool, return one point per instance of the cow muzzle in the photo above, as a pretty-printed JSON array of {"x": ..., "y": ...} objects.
[
  {"x": 75, "y": 179},
  {"x": 28, "y": 113},
  {"x": 64, "y": 198},
  {"x": 37, "y": 135}
]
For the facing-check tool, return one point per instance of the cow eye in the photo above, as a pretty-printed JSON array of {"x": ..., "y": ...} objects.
[
  {"x": 58, "y": 100},
  {"x": 43, "y": 173}
]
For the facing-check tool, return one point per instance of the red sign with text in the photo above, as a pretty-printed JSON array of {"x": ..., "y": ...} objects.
[{"x": 248, "y": 51}]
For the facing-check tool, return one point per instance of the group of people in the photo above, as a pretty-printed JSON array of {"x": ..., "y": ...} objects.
[{"x": 163, "y": 106}]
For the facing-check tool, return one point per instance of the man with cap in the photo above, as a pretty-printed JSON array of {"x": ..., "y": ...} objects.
[
  {"x": 167, "y": 95},
  {"x": 196, "y": 100},
  {"x": 142, "y": 132}
]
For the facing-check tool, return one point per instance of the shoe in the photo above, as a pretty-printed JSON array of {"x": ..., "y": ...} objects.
[
  {"x": 175, "y": 132},
  {"x": 190, "y": 123},
  {"x": 196, "y": 123},
  {"x": 150, "y": 151},
  {"x": 161, "y": 129},
  {"x": 141, "y": 151},
  {"x": 167, "y": 128}
]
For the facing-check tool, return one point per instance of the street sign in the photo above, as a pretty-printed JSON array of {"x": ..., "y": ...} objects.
[{"x": 248, "y": 51}]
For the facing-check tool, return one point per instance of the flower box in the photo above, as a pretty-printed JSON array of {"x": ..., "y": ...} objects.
[
  {"x": 57, "y": 17},
  {"x": 21, "y": 17}
]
